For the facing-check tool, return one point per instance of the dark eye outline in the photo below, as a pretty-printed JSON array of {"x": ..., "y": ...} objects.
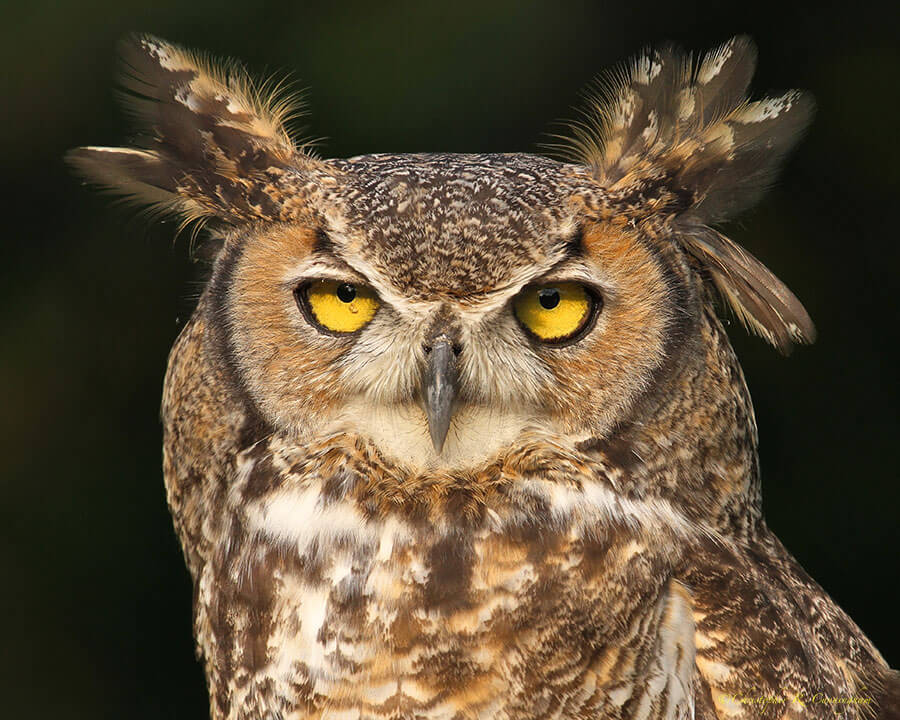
[
  {"x": 302, "y": 300},
  {"x": 596, "y": 305}
]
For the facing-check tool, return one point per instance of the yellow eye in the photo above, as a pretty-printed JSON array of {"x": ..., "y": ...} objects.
[
  {"x": 338, "y": 307},
  {"x": 555, "y": 312}
]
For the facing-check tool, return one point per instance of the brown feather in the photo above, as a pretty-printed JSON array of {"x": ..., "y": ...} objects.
[
  {"x": 889, "y": 696},
  {"x": 595, "y": 547},
  {"x": 210, "y": 141},
  {"x": 689, "y": 125},
  {"x": 684, "y": 135},
  {"x": 760, "y": 300}
]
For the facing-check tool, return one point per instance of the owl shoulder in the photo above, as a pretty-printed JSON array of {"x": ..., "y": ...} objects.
[
  {"x": 205, "y": 425},
  {"x": 765, "y": 629}
]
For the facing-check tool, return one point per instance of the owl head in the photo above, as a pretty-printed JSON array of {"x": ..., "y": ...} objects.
[{"x": 440, "y": 306}]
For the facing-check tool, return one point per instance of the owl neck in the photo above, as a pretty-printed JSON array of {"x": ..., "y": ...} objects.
[{"x": 693, "y": 439}]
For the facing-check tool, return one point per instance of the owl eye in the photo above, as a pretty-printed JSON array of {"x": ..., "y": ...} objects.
[
  {"x": 337, "y": 307},
  {"x": 556, "y": 312}
]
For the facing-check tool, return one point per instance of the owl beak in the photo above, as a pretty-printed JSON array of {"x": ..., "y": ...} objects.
[{"x": 439, "y": 385}]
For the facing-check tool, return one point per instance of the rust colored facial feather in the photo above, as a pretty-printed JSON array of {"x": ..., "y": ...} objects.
[
  {"x": 274, "y": 344},
  {"x": 598, "y": 378}
]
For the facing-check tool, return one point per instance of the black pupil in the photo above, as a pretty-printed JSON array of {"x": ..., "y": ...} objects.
[
  {"x": 548, "y": 298},
  {"x": 346, "y": 292}
]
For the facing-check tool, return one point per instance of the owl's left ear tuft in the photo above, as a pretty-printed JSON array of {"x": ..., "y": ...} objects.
[
  {"x": 210, "y": 143},
  {"x": 678, "y": 139},
  {"x": 684, "y": 132}
]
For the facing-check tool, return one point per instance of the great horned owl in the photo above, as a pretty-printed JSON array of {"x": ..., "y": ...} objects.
[{"x": 461, "y": 436}]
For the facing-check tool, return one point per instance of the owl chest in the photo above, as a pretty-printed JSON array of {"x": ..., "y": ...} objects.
[
  {"x": 376, "y": 619},
  {"x": 417, "y": 618}
]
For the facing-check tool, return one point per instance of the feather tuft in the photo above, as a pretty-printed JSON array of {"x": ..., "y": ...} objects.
[
  {"x": 684, "y": 133},
  {"x": 689, "y": 124},
  {"x": 763, "y": 304},
  {"x": 211, "y": 142}
]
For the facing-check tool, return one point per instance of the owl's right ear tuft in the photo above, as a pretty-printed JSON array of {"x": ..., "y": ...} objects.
[{"x": 210, "y": 143}]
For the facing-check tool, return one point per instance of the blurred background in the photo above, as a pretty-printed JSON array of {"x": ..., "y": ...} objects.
[{"x": 96, "y": 615}]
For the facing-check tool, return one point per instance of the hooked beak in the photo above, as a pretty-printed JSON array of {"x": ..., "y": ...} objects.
[{"x": 439, "y": 384}]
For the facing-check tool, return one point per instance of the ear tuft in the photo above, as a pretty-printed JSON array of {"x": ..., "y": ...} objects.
[
  {"x": 668, "y": 121},
  {"x": 677, "y": 142},
  {"x": 211, "y": 142}
]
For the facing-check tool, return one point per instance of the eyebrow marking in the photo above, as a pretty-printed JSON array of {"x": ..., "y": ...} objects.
[
  {"x": 574, "y": 247},
  {"x": 323, "y": 244},
  {"x": 568, "y": 249}
]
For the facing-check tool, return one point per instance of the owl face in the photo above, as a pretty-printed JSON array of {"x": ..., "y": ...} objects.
[{"x": 440, "y": 307}]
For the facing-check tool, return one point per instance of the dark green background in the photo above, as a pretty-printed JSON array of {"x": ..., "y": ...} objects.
[{"x": 95, "y": 609}]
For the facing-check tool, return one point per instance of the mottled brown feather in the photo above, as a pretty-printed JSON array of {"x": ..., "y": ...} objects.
[
  {"x": 212, "y": 142},
  {"x": 685, "y": 135},
  {"x": 761, "y": 301}
]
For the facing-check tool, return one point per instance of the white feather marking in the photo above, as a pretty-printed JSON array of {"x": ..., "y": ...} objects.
[
  {"x": 624, "y": 109},
  {"x": 767, "y": 109},
  {"x": 378, "y": 694},
  {"x": 714, "y": 62},
  {"x": 714, "y": 672},
  {"x": 618, "y": 695},
  {"x": 646, "y": 69},
  {"x": 631, "y": 549},
  {"x": 417, "y": 691},
  {"x": 677, "y": 649},
  {"x": 313, "y": 608},
  {"x": 686, "y": 103},
  {"x": 340, "y": 569},
  {"x": 297, "y": 517},
  {"x": 165, "y": 60},
  {"x": 400, "y": 431},
  {"x": 386, "y": 541},
  {"x": 594, "y": 504}
]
